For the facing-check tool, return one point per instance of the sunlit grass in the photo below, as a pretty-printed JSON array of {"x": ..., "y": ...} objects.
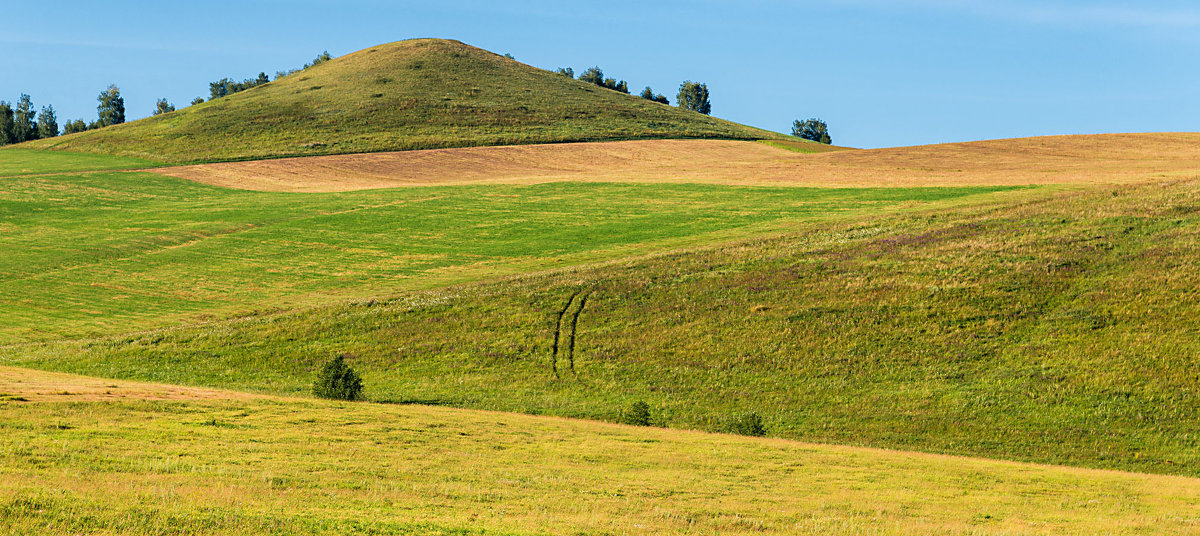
[
  {"x": 277, "y": 466},
  {"x": 103, "y": 253},
  {"x": 1057, "y": 327}
]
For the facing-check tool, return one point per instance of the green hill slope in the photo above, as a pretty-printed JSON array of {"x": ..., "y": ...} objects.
[
  {"x": 1058, "y": 327},
  {"x": 417, "y": 94}
]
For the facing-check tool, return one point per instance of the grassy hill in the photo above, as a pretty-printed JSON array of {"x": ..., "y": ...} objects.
[
  {"x": 416, "y": 94},
  {"x": 90, "y": 456},
  {"x": 94, "y": 254},
  {"x": 1049, "y": 325}
]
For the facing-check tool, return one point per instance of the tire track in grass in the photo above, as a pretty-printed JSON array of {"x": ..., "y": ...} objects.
[
  {"x": 574, "y": 329},
  {"x": 558, "y": 333}
]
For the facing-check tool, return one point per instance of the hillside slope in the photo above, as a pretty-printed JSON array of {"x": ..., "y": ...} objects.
[
  {"x": 88, "y": 456},
  {"x": 1080, "y": 160},
  {"x": 416, "y": 94},
  {"x": 1058, "y": 327}
]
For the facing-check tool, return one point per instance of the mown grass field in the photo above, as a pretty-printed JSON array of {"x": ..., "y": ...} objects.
[
  {"x": 75, "y": 460},
  {"x": 94, "y": 254},
  {"x": 23, "y": 161},
  {"x": 416, "y": 94},
  {"x": 1058, "y": 327}
]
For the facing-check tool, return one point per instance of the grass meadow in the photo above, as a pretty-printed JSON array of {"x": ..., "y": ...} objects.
[
  {"x": 93, "y": 254},
  {"x": 1055, "y": 327},
  {"x": 75, "y": 464},
  {"x": 24, "y": 161}
]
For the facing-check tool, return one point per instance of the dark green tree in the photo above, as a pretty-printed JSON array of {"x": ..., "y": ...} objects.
[
  {"x": 262, "y": 79},
  {"x": 694, "y": 96},
  {"x": 112, "y": 107},
  {"x": 25, "y": 120},
  {"x": 812, "y": 129},
  {"x": 566, "y": 71},
  {"x": 649, "y": 94},
  {"x": 338, "y": 381},
  {"x": 638, "y": 414},
  {"x": 7, "y": 135},
  {"x": 71, "y": 127},
  {"x": 47, "y": 123},
  {"x": 197, "y": 100},
  {"x": 162, "y": 107},
  {"x": 593, "y": 75},
  {"x": 750, "y": 424},
  {"x": 219, "y": 89}
]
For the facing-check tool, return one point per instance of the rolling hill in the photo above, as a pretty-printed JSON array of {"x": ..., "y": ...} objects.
[
  {"x": 90, "y": 456},
  {"x": 416, "y": 94},
  {"x": 1061, "y": 160}
]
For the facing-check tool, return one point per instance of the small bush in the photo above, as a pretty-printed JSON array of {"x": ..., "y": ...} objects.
[
  {"x": 638, "y": 414},
  {"x": 750, "y": 424},
  {"x": 338, "y": 381}
]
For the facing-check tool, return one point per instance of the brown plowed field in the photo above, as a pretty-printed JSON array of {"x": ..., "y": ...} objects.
[
  {"x": 1106, "y": 158},
  {"x": 38, "y": 386}
]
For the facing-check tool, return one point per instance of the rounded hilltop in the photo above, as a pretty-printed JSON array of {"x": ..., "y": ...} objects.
[{"x": 413, "y": 94}]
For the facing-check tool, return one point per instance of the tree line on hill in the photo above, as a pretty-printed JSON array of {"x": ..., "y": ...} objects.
[
  {"x": 228, "y": 86},
  {"x": 692, "y": 95},
  {"x": 21, "y": 122}
]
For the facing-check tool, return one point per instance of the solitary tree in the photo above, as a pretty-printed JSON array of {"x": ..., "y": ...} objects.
[
  {"x": 694, "y": 96},
  {"x": 162, "y": 107},
  {"x": 7, "y": 135},
  {"x": 638, "y": 414},
  {"x": 812, "y": 129},
  {"x": 47, "y": 123},
  {"x": 111, "y": 108},
  {"x": 197, "y": 100},
  {"x": 566, "y": 71},
  {"x": 593, "y": 75},
  {"x": 262, "y": 79},
  {"x": 25, "y": 120},
  {"x": 338, "y": 381}
]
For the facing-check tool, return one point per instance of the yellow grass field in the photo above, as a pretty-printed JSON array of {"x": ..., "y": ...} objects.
[
  {"x": 1092, "y": 159},
  {"x": 80, "y": 455}
]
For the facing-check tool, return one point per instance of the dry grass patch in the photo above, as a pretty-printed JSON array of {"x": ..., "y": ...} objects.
[
  {"x": 287, "y": 466},
  {"x": 26, "y": 385},
  {"x": 1098, "y": 159}
]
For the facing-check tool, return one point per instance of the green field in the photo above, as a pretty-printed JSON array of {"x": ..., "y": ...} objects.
[
  {"x": 1046, "y": 325},
  {"x": 416, "y": 94},
  {"x": 20, "y": 161},
  {"x": 272, "y": 466},
  {"x": 110, "y": 252}
]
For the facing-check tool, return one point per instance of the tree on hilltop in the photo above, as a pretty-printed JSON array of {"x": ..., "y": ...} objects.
[
  {"x": 694, "y": 96},
  {"x": 6, "y": 124},
  {"x": 25, "y": 120},
  {"x": 71, "y": 127},
  {"x": 593, "y": 75},
  {"x": 812, "y": 129},
  {"x": 162, "y": 107},
  {"x": 649, "y": 95},
  {"x": 566, "y": 71},
  {"x": 321, "y": 58},
  {"x": 47, "y": 124},
  {"x": 111, "y": 108}
]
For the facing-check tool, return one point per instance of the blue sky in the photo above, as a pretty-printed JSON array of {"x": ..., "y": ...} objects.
[{"x": 881, "y": 73}]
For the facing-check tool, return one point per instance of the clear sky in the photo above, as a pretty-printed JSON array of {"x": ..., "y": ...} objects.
[{"x": 881, "y": 73}]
